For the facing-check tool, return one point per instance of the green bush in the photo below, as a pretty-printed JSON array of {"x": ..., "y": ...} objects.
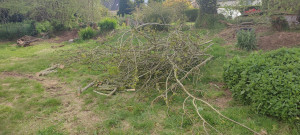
[
  {"x": 44, "y": 27},
  {"x": 58, "y": 26},
  {"x": 246, "y": 39},
  {"x": 15, "y": 30},
  {"x": 155, "y": 12},
  {"x": 269, "y": 82},
  {"x": 87, "y": 33},
  {"x": 279, "y": 23},
  {"x": 108, "y": 24},
  {"x": 209, "y": 21},
  {"x": 191, "y": 14}
]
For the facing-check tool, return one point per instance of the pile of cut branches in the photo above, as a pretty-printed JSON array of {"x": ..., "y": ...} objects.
[
  {"x": 144, "y": 59},
  {"x": 147, "y": 60}
]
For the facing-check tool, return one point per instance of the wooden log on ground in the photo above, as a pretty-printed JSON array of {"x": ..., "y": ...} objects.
[
  {"x": 86, "y": 87},
  {"x": 50, "y": 70},
  {"x": 110, "y": 94}
]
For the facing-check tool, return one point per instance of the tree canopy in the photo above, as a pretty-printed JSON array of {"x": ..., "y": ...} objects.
[{"x": 63, "y": 11}]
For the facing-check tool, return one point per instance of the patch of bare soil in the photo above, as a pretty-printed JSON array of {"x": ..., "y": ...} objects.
[
  {"x": 64, "y": 36},
  {"x": 229, "y": 34},
  {"x": 221, "y": 102},
  {"x": 278, "y": 40},
  {"x": 267, "y": 40},
  {"x": 71, "y": 114}
]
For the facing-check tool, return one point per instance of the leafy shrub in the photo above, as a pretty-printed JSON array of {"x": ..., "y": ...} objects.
[
  {"x": 246, "y": 39},
  {"x": 155, "y": 12},
  {"x": 58, "y": 26},
  {"x": 44, "y": 27},
  {"x": 108, "y": 24},
  {"x": 16, "y": 30},
  {"x": 210, "y": 21},
  {"x": 191, "y": 14},
  {"x": 86, "y": 33},
  {"x": 178, "y": 7},
  {"x": 279, "y": 23},
  {"x": 270, "y": 82}
]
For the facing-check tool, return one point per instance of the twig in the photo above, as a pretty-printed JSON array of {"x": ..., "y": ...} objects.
[
  {"x": 187, "y": 92},
  {"x": 48, "y": 70},
  {"x": 110, "y": 94},
  {"x": 86, "y": 87}
]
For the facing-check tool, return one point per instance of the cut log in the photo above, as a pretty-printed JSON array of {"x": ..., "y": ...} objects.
[
  {"x": 50, "y": 70},
  {"x": 26, "y": 41},
  {"x": 247, "y": 23},
  {"x": 226, "y": 23},
  {"x": 130, "y": 90},
  {"x": 106, "y": 87}
]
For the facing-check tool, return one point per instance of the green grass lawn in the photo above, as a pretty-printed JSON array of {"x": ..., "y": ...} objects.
[{"x": 24, "y": 102}]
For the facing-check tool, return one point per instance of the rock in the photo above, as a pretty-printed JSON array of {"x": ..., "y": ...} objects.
[{"x": 71, "y": 40}]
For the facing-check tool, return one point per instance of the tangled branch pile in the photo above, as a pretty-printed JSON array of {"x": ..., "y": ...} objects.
[{"x": 146, "y": 60}]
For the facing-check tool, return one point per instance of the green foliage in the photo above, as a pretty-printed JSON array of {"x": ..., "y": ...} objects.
[
  {"x": 270, "y": 82},
  {"x": 280, "y": 6},
  {"x": 192, "y": 14},
  {"x": 208, "y": 6},
  {"x": 155, "y": 12},
  {"x": 246, "y": 39},
  {"x": 44, "y": 27},
  {"x": 210, "y": 21},
  {"x": 108, "y": 24},
  {"x": 87, "y": 33},
  {"x": 58, "y": 26},
  {"x": 16, "y": 30},
  {"x": 125, "y": 7},
  {"x": 279, "y": 23},
  {"x": 65, "y": 12}
]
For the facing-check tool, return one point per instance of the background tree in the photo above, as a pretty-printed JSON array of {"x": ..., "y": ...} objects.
[
  {"x": 138, "y": 3},
  {"x": 208, "y": 16},
  {"x": 179, "y": 7},
  {"x": 125, "y": 7},
  {"x": 61, "y": 11},
  {"x": 281, "y": 6}
]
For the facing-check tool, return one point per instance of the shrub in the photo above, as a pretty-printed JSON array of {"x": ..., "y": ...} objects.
[
  {"x": 211, "y": 21},
  {"x": 246, "y": 39},
  {"x": 270, "y": 82},
  {"x": 156, "y": 13},
  {"x": 279, "y": 23},
  {"x": 16, "y": 30},
  {"x": 108, "y": 24},
  {"x": 44, "y": 27},
  {"x": 58, "y": 26},
  {"x": 178, "y": 8},
  {"x": 191, "y": 14},
  {"x": 86, "y": 33}
]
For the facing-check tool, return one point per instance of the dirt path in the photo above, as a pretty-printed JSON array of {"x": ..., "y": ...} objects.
[{"x": 71, "y": 114}]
